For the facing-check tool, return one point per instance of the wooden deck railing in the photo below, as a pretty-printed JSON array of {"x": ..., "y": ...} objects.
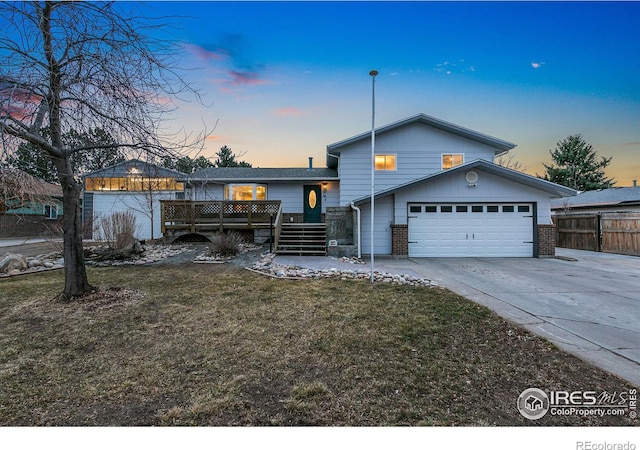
[
  {"x": 277, "y": 227},
  {"x": 203, "y": 216}
]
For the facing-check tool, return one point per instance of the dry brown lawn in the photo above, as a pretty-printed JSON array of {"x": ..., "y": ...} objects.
[{"x": 219, "y": 345}]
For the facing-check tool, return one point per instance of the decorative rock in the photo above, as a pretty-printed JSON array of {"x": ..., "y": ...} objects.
[
  {"x": 268, "y": 267},
  {"x": 13, "y": 262}
]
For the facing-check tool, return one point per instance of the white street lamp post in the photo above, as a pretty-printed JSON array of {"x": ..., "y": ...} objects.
[{"x": 373, "y": 74}]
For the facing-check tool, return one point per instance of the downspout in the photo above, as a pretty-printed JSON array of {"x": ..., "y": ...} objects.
[{"x": 357, "y": 210}]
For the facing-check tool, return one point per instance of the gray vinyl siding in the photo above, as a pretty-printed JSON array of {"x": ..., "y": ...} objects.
[
  {"x": 418, "y": 149},
  {"x": 289, "y": 193},
  {"x": 208, "y": 192},
  {"x": 383, "y": 210}
]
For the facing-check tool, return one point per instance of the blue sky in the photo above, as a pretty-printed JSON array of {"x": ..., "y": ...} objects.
[{"x": 284, "y": 79}]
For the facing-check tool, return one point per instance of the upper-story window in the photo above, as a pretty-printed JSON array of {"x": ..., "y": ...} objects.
[
  {"x": 450, "y": 160},
  {"x": 239, "y": 192},
  {"x": 385, "y": 162}
]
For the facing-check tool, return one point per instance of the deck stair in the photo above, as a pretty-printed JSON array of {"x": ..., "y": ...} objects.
[{"x": 302, "y": 239}]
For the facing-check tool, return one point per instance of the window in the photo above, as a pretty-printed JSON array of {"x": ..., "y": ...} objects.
[
  {"x": 446, "y": 209},
  {"x": 450, "y": 160},
  {"x": 462, "y": 208},
  {"x": 523, "y": 208},
  {"x": 492, "y": 208},
  {"x": 51, "y": 211},
  {"x": 477, "y": 208},
  {"x": 507, "y": 208},
  {"x": 415, "y": 209},
  {"x": 430, "y": 208},
  {"x": 385, "y": 162},
  {"x": 245, "y": 192},
  {"x": 132, "y": 183}
]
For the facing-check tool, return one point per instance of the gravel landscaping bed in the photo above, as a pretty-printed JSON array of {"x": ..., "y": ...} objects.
[{"x": 252, "y": 257}]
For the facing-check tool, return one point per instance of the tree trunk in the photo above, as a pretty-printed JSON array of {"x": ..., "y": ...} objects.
[{"x": 76, "y": 282}]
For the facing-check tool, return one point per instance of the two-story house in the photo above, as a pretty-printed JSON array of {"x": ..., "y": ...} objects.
[{"x": 438, "y": 192}]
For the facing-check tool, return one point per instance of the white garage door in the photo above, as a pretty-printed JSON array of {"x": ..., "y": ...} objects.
[{"x": 456, "y": 229}]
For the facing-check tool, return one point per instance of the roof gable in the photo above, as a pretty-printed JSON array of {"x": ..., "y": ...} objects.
[
  {"x": 553, "y": 189},
  {"x": 500, "y": 145}
]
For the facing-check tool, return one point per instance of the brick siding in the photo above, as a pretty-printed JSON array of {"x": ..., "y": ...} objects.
[
  {"x": 399, "y": 240},
  {"x": 14, "y": 225},
  {"x": 546, "y": 240}
]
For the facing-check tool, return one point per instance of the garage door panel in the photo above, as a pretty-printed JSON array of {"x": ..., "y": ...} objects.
[{"x": 471, "y": 230}]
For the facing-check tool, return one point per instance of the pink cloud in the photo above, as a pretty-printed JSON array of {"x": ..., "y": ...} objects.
[
  {"x": 247, "y": 78},
  {"x": 205, "y": 54},
  {"x": 235, "y": 80},
  {"x": 289, "y": 111},
  {"x": 17, "y": 103}
]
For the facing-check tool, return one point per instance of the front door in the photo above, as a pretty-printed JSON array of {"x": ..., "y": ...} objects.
[{"x": 312, "y": 204}]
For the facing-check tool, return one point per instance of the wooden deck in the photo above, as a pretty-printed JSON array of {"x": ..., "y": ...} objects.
[{"x": 201, "y": 217}]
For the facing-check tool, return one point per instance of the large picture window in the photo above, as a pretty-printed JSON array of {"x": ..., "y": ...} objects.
[
  {"x": 450, "y": 160},
  {"x": 132, "y": 183},
  {"x": 244, "y": 192}
]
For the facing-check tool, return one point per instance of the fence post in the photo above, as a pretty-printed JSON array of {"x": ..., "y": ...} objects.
[
  {"x": 599, "y": 232},
  {"x": 193, "y": 217},
  {"x": 223, "y": 205}
]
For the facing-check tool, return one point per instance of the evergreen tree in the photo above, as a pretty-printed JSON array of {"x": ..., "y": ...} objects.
[
  {"x": 226, "y": 158},
  {"x": 576, "y": 165},
  {"x": 187, "y": 165}
]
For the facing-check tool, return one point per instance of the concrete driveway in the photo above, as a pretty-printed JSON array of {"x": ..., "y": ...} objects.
[{"x": 586, "y": 303}]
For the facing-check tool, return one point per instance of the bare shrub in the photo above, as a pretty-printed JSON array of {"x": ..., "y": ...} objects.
[
  {"x": 226, "y": 244},
  {"x": 54, "y": 234},
  {"x": 118, "y": 229}
]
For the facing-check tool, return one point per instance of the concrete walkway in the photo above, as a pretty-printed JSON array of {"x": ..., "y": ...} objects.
[
  {"x": 586, "y": 303},
  {"x": 11, "y": 242}
]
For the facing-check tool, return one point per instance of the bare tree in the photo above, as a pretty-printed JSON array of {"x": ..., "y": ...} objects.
[
  {"x": 80, "y": 66},
  {"x": 508, "y": 160}
]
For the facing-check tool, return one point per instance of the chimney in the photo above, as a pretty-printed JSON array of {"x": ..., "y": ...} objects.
[
  {"x": 635, "y": 183},
  {"x": 310, "y": 162}
]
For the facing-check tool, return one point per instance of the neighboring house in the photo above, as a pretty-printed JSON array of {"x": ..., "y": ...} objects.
[
  {"x": 28, "y": 206},
  {"x": 602, "y": 200},
  {"x": 134, "y": 186}
]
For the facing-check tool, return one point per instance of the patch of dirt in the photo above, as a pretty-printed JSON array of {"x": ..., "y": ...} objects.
[{"x": 105, "y": 298}]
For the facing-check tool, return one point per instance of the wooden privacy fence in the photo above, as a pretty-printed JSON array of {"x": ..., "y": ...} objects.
[{"x": 615, "y": 232}]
